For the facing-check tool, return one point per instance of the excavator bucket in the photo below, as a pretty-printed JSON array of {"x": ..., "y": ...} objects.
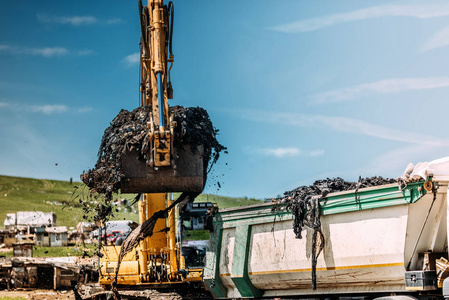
[{"x": 187, "y": 175}]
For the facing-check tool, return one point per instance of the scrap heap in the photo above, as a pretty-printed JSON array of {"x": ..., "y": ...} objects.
[{"x": 303, "y": 202}]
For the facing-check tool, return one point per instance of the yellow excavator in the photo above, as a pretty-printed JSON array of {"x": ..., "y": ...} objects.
[{"x": 158, "y": 261}]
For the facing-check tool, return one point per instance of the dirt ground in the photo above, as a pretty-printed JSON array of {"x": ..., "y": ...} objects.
[
  {"x": 41, "y": 294},
  {"x": 37, "y": 294}
]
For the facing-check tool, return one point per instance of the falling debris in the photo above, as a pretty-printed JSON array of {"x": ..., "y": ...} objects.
[
  {"x": 129, "y": 130},
  {"x": 303, "y": 202}
]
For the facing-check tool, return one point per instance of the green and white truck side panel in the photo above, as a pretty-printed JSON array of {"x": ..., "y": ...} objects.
[{"x": 371, "y": 236}]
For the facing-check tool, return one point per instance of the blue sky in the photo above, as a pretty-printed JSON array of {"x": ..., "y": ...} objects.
[{"x": 300, "y": 90}]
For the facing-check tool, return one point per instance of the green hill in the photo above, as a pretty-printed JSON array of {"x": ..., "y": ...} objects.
[{"x": 62, "y": 198}]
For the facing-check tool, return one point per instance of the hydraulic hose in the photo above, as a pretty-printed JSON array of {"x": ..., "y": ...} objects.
[
  {"x": 142, "y": 24},
  {"x": 171, "y": 9},
  {"x": 160, "y": 97}
]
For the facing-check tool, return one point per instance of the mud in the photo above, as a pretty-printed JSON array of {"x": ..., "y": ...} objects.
[
  {"x": 129, "y": 130},
  {"x": 37, "y": 294},
  {"x": 42, "y": 294},
  {"x": 303, "y": 202}
]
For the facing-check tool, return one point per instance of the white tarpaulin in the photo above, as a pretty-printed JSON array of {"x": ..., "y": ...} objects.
[{"x": 439, "y": 168}]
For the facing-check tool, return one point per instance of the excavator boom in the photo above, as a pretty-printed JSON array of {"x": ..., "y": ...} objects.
[{"x": 169, "y": 169}]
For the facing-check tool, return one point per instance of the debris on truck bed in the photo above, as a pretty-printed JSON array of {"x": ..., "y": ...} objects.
[
  {"x": 298, "y": 200},
  {"x": 303, "y": 202},
  {"x": 129, "y": 130}
]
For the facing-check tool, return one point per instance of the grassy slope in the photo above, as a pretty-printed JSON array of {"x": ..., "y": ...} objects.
[
  {"x": 27, "y": 194},
  {"x": 59, "y": 251},
  {"x": 226, "y": 202}
]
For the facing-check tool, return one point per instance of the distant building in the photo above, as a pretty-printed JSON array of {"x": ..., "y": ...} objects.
[
  {"x": 7, "y": 237},
  {"x": 27, "y": 221},
  {"x": 51, "y": 236},
  {"x": 23, "y": 249},
  {"x": 10, "y": 221}
]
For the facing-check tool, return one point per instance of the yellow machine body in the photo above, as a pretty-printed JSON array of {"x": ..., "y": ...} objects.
[{"x": 157, "y": 260}]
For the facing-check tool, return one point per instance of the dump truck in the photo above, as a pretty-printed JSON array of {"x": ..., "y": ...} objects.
[{"x": 379, "y": 241}]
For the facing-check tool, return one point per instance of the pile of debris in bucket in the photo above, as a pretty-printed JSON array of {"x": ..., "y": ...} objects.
[{"x": 129, "y": 130}]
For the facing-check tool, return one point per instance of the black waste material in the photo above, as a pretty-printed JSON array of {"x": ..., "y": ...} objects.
[
  {"x": 303, "y": 202},
  {"x": 129, "y": 130}
]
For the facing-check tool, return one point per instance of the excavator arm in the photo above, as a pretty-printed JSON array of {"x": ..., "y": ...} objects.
[
  {"x": 171, "y": 167},
  {"x": 156, "y": 41}
]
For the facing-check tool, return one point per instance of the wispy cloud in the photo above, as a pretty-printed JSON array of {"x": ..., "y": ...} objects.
[
  {"x": 317, "y": 152},
  {"x": 47, "y": 109},
  {"x": 73, "y": 20},
  {"x": 114, "y": 21},
  {"x": 85, "y": 109},
  {"x": 47, "y": 52},
  {"x": 284, "y": 152},
  {"x": 44, "y": 52},
  {"x": 437, "y": 40},
  {"x": 132, "y": 59},
  {"x": 388, "y": 86},
  {"x": 421, "y": 11},
  {"x": 279, "y": 152},
  {"x": 342, "y": 124},
  {"x": 396, "y": 160},
  {"x": 85, "y": 52},
  {"x": 77, "y": 20}
]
